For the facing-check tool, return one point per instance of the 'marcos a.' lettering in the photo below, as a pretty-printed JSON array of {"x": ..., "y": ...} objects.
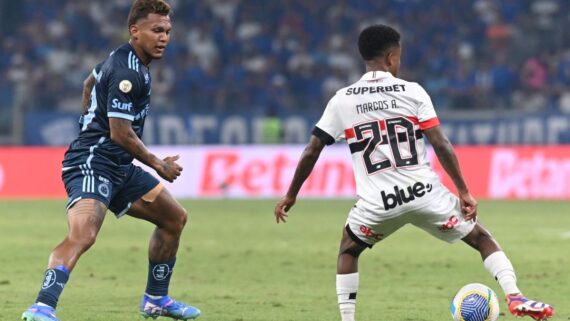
[{"x": 375, "y": 89}]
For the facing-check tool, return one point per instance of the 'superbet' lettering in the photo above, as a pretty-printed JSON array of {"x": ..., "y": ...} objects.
[
  {"x": 375, "y": 89},
  {"x": 399, "y": 197}
]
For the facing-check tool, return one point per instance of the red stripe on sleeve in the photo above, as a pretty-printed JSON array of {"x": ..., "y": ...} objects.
[
  {"x": 349, "y": 133},
  {"x": 413, "y": 119},
  {"x": 432, "y": 122}
]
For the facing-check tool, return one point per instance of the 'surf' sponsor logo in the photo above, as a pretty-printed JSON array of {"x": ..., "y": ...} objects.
[
  {"x": 375, "y": 89},
  {"x": 399, "y": 197},
  {"x": 122, "y": 106}
]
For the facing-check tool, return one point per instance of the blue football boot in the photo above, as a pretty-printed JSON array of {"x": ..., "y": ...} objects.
[
  {"x": 167, "y": 307},
  {"x": 39, "y": 313}
]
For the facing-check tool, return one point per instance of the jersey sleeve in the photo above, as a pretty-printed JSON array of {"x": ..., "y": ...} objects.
[
  {"x": 97, "y": 70},
  {"x": 329, "y": 128},
  {"x": 124, "y": 87},
  {"x": 426, "y": 113}
]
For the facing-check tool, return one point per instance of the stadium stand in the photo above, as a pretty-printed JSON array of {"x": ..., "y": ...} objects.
[{"x": 291, "y": 55}]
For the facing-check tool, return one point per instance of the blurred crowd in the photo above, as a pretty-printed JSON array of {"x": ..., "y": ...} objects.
[{"x": 279, "y": 56}]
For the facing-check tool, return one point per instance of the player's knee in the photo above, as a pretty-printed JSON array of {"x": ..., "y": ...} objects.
[
  {"x": 84, "y": 242},
  {"x": 479, "y": 238},
  {"x": 177, "y": 223},
  {"x": 350, "y": 249}
]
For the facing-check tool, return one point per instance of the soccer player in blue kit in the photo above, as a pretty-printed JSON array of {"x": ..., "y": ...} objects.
[{"x": 98, "y": 172}]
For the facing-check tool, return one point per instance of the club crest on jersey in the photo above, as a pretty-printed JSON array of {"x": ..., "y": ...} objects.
[
  {"x": 125, "y": 86},
  {"x": 399, "y": 197}
]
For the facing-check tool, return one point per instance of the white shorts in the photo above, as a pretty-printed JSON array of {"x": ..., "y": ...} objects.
[{"x": 441, "y": 217}]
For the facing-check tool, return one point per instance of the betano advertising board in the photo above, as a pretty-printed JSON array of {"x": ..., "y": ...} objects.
[{"x": 265, "y": 171}]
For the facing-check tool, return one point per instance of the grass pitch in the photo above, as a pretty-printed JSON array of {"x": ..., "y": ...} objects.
[{"x": 236, "y": 264}]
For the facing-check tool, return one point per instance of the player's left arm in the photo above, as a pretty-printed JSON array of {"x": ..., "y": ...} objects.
[
  {"x": 304, "y": 168},
  {"x": 122, "y": 134},
  {"x": 448, "y": 159},
  {"x": 125, "y": 85}
]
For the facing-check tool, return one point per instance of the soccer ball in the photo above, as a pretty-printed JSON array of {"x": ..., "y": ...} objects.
[{"x": 475, "y": 302}]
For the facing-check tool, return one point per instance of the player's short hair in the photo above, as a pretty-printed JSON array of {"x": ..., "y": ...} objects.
[
  {"x": 142, "y": 8},
  {"x": 375, "y": 40}
]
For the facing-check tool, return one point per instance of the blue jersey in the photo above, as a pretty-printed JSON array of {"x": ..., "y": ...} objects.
[{"x": 122, "y": 90}]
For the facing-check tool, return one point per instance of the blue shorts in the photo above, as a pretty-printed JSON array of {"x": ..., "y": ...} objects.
[{"x": 118, "y": 187}]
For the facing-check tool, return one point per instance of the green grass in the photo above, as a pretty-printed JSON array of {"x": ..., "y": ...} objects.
[{"x": 236, "y": 264}]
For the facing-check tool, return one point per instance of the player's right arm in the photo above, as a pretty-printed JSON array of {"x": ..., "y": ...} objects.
[
  {"x": 327, "y": 130},
  {"x": 446, "y": 155},
  {"x": 304, "y": 168},
  {"x": 88, "y": 84}
]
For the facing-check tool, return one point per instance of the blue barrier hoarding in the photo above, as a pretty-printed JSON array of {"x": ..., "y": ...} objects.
[{"x": 56, "y": 129}]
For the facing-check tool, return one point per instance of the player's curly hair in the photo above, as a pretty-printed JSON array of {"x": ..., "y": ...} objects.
[
  {"x": 375, "y": 40},
  {"x": 142, "y": 8}
]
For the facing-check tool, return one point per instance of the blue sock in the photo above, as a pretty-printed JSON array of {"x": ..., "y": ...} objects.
[
  {"x": 159, "y": 277},
  {"x": 52, "y": 286}
]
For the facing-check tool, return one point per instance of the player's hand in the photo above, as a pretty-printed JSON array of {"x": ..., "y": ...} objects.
[
  {"x": 468, "y": 206},
  {"x": 282, "y": 207},
  {"x": 169, "y": 169}
]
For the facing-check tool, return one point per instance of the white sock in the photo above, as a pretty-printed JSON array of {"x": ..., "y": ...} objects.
[
  {"x": 346, "y": 289},
  {"x": 502, "y": 270}
]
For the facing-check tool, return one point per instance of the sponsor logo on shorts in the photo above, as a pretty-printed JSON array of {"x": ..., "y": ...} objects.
[
  {"x": 368, "y": 232},
  {"x": 49, "y": 279},
  {"x": 404, "y": 195},
  {"x": 160, "y": 272},
  {"x": 450, "y": 225}
]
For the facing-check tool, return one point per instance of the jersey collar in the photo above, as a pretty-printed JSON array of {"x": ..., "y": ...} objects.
[
  {"x": 135, "y": 53},
  {"x": 375, "y": 75}
]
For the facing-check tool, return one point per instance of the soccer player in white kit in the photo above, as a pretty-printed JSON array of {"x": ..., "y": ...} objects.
[{"x": 385, "y": 120}]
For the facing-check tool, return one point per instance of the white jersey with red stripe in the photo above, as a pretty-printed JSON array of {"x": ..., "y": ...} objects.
[{"x": 382, "y": 118}]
